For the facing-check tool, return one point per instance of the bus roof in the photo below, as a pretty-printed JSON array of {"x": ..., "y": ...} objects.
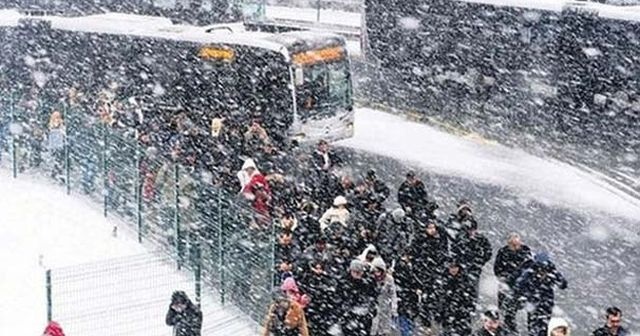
[
  {"x": 630, "y": 13},
  {"x": 162, "y": 28}
]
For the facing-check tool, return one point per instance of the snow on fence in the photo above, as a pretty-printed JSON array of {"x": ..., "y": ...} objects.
[{"x": 196, "y": 226}]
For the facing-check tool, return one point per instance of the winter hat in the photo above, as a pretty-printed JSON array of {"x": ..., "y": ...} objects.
[
  {"x": 558, "y": 322},
  {"x": 53, "y": 329},
  {"x": 340, "y": 200},
  {"x": 289, "y": 284},
  {"x": 249, "y": 163},
  {"x": 379, "y": 264},
  {"x": 541, "y": 258},
  {"x": 398, "y": 214},
  {"x": 356, "y": 266}
]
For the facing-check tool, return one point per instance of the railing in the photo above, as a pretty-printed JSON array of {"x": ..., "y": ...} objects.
[{"x": 171, "y": 205}]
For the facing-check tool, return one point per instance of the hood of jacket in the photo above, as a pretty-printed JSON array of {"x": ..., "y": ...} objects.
[{"x": 556, "y": 322}]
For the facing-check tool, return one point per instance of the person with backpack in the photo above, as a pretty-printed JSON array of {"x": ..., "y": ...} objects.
[
  {"x": 536, "y": 286},
  {"x": 285, "y": 317}
]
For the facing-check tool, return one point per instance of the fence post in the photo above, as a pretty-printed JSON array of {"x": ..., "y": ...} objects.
[
  {"x": 272, "y": 240},
  {"x": 12, "y": 130},
  {"x": 176, "y": 216},
  {"x": 138, "y": 192},
  {"x": 318, "y": 10},
  {"x": 49, "y": 302},
  {"x": 105, "y": 173},
  {"x": 66, "y": 148},
  {"x": 221, "y": 247},
  {"x": 198, "y": 275}
]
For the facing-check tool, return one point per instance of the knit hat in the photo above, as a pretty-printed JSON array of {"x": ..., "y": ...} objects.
[
  {"x": 356, "y": 266},
  {"x": 340, "y": 200},
  {"x": 398, "y": 214},
  {"x": 558, "y": 322},
  {"x": 378, "y": 263}
]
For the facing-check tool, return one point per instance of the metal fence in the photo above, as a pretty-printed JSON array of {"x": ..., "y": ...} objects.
[{"x": 170, "y": 205}]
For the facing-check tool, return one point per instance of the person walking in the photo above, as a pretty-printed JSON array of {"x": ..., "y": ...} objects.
[
  {"x": 184, "y": 316},
  {"x": 507, "y": 267},
  {"x": 536, "y": 286},
  {"x": 613, "y": 325},
  {"x": 285, "y": 317},
  {"x": 384, "y": 322},
  {"x": 356, "y": 301},
  {"x": 558, "y": 327}
]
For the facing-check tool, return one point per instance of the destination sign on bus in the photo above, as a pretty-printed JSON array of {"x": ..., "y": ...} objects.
[
  {"x": 216, "y": 53},
  {"x": 319, "y": 55}
]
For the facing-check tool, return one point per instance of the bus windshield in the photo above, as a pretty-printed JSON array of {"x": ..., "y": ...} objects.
[{"x": 321, "y": 88}]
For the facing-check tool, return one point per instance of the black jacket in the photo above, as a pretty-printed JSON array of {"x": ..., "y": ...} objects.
[
  {"x": 187, "y": 322},
  {"x": 321, "y": 289},
  {"x": 472, "y": 253},
  {"x": 357, "y": 298},
  {"x": 509, "y": 263},
  {"x": 407, "y": 284},
  {"x": 412, "y": 198},
  {"x": 604, "y": 331}
]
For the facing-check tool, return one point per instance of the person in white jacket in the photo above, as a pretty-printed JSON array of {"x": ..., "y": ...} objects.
[
  {"x": 558, "y": 327},
  {"x": 337, "y": 213},
  {"x": 383, "y": 323}
]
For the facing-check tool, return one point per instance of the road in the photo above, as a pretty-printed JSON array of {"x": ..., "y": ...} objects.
[{"x": 596, "y": 247}]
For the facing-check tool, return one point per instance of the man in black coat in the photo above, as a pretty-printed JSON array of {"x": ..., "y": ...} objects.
[
  {"x": 430, "y": 249},
  {"x": 613, "y": 326},
  {"x": 412, "y": 195},
  {"x": 321, "y": 289},
  {"x": 472, "y": 250},
  {"x": 536, "y": 286},
  {"x": 458, "y": 221},
  {"x": 456, "y": 302},
  {"x": 356, "y": 301},
  {"x": 184, "y": 316},
  {"x": 407, "y": 287},
  {"x": 507, "y": 268}
]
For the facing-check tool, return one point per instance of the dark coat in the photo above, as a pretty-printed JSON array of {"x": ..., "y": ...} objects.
[
  {"x": 430, "y": 253},
  {"x": 356, "y": 304},
  {"x": 456, "y": 303},
  {"x": 321, "y": 289},
  {"x": 509, "y": 263},
  {"x": 412, "y": 198},
  {"x": 407, "y": 285},
  {"x": 605, "y": 331},
  {"x": 537, "y": 282},
  {"x": 187, "y": 322},
  {"x": 472, "y": 253},
  {"x": 392, "y": 237}
]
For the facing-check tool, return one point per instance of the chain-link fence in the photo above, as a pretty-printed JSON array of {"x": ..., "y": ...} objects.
[{"x": 172, "y": 206}]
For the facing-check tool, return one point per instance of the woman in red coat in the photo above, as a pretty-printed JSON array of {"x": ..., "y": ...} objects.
[
  {"x": 53, "y": 329},
  {"x": 255, "y": 187}
]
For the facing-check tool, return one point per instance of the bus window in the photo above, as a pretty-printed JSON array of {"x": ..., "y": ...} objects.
[{"x": 321, "y": 88}]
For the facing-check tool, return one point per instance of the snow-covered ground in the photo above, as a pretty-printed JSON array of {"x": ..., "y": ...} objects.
[
  {"x": 41, "y": 227},
  {"x": 546, "y": 180}
]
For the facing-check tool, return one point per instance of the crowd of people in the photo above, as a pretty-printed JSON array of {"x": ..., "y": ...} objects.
[{"x": 347, "y": 261}]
